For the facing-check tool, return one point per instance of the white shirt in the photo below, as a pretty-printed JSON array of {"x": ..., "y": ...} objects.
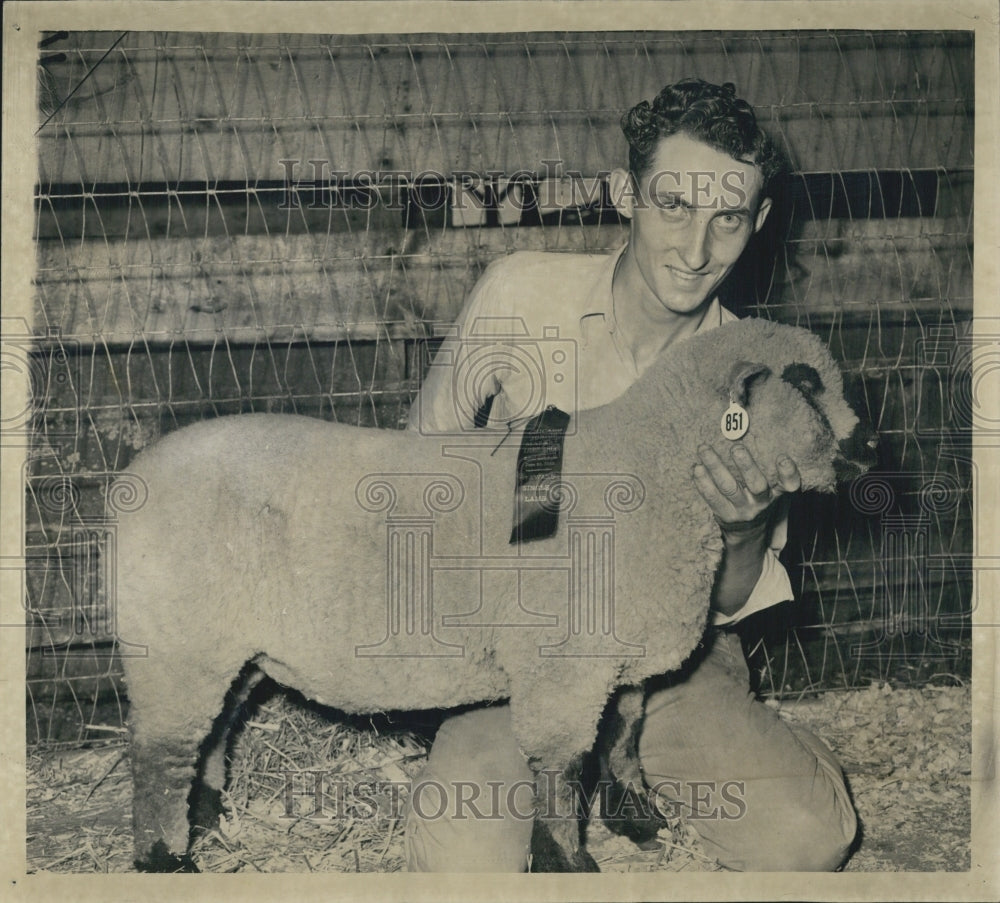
[{"x": 538, "y": 329}]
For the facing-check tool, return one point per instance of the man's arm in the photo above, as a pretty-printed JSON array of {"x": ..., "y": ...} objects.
[
  {"x": 740, "y": 569},
  {"x": 436, "y": 410},
  {"x": 746, "y": 508}
]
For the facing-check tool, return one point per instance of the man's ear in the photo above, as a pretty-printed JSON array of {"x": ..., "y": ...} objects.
[
  {"x": 622, "y": 188},
  {"x": 762, "y": 211}
]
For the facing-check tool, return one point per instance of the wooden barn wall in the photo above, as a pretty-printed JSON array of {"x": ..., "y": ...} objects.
[
  {"x": 838, "y": 101},
  {"x": 171, "y": 286},
  {"x": 237, "y": 107}
]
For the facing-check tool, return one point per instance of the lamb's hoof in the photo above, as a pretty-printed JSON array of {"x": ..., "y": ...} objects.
[
  {"x": 582, "y": 861},
  {"x": 650, "y": 846},
  {"x": 548, "y": 856},
  {"x": 161, "y": 860},
  {"x": 206, "y": 807},
  {"x": 631, "y": 814}
]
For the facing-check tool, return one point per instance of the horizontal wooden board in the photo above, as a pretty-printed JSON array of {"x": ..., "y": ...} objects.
[
  {"x": 397, "y": 284},
  {"x": 911, "y": 371},
  {"x": 316, "y": 202},
  {"x": 107, "y": 437},
  {"x": 896, "y": 136},
  {"x": 196, "y": 107}
]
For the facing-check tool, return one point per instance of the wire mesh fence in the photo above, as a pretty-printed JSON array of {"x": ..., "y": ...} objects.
[{"x": 231, "y": 223}]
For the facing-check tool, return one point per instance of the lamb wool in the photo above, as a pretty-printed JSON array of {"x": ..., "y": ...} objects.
[{"x": 292, "y": 547}]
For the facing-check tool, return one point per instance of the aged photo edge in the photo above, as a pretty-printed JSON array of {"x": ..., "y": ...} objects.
[{"x": 22, "y": 22}]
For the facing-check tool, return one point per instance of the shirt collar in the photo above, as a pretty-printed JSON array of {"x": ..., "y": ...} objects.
[{"x": 598, "y": 302}]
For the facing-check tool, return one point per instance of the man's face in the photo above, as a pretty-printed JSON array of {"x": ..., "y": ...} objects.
[{"x": 692, "y": 215}]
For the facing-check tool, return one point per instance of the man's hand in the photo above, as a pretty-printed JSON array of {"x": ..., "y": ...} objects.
[
  {"x": 741, "y": 500},
  {"x": 741, "y": 503}
]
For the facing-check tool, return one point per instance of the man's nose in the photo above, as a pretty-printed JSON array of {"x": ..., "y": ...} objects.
[{"x": 695, "y": 246}]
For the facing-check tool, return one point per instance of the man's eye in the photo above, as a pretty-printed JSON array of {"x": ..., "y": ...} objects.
[
  {"x": 672, "y": 210},
  {"x": 729, "y": 222}
]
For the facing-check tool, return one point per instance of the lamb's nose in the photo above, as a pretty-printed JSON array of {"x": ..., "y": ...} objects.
[{"x": 859, "y": 451}]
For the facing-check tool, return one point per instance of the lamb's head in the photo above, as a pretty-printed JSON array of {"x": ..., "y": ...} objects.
[{"x": 793, "y": 394}]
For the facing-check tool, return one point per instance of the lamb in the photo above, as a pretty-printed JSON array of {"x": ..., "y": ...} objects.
[{"x": 347, "y": 563}]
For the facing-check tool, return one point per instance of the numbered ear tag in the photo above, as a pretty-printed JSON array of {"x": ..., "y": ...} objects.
[{"x": 735, "y": 422}]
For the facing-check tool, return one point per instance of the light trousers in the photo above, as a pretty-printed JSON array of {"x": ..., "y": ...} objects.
[{"x": 763, "y": 795}]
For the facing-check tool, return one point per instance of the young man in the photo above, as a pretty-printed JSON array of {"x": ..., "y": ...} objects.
[{"x": 762, "y": 794}]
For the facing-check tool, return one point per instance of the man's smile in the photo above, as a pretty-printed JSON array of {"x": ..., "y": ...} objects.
[{"x": 685, "y": 277}]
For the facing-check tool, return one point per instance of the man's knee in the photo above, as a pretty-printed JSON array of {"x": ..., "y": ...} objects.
[
  {"x": 445, "y": 845},
  {"x": 810, "y": 842},
  {"x": 826, "y": 827},
  {"x": 471, "y": 810},
  {"x": 464, "y": 826},
  {"x": 765, "y": 825},
  {"x": 805, "y": 823}
]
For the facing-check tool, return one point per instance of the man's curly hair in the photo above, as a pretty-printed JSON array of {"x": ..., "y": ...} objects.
[{"x": 708, "y": 112}]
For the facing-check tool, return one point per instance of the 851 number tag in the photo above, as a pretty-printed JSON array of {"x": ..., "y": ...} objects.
[{"x": 735, "y": 422}]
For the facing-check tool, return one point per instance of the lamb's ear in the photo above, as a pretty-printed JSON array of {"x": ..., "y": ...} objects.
[{"x": 742, "y": 376}]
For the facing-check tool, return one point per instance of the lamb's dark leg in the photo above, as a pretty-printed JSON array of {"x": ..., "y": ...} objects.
[
  {"x": 629, "y": 809},
  {"x": 206, "y": 795},
  {"x": 557, "y": 834},
  {"x": 556, "y": 739}
]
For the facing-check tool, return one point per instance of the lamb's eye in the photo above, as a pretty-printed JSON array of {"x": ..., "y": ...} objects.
[{"x": 805, "y": 378}]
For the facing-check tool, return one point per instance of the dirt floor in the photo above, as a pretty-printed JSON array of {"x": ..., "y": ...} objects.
[{"x": 906, "y": 753}]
